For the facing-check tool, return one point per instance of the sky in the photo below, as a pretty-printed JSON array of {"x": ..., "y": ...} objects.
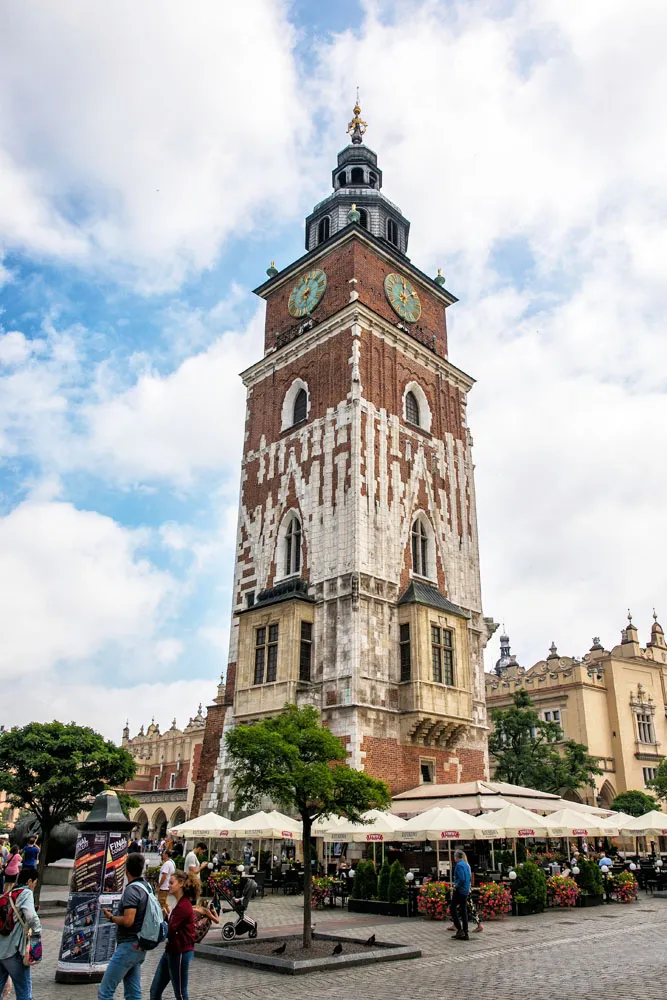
[{"x": 154, "y": 158}]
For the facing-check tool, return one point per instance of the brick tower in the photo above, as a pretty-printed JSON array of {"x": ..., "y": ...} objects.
[{"x": 356, "y": 586}]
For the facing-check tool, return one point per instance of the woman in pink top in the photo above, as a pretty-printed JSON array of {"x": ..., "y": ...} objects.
[{"x": 13, "y": 866}]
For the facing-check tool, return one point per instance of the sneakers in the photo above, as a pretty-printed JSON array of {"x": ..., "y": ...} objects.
[{"x": 460, "y": 936}]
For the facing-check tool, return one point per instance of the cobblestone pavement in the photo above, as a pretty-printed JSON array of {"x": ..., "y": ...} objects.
[{"x": 613, "y": 952}]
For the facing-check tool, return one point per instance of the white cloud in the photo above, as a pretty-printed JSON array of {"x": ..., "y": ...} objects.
[
  {"x": 140, "y": 136},
  {"x": 172, "y": 427},
  {"x": 105, "y": 707},
  {"x": 15, "y": 349},
  {"x": 71, "y": 582}
]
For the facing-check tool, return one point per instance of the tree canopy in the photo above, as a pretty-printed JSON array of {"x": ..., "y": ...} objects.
[
  {"x": 659, "y": 784},
  {"x": 529, "y": 751},
  {"x": 297, "y": 763},
  {"x": 54, "y": 768},
  {"x": 634, "y": 803}
]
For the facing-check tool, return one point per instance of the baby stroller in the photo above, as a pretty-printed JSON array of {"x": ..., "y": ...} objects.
[{"x": 239, "y": 905}]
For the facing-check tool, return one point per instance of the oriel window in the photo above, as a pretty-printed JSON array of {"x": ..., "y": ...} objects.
[
  {"x": 419, "y": 548},
  {"x": 293, "y": 547},
  {"x": 272, "y": 654},
  {"x": 260, "y": 655},
  {"x": 404, "y": 644},
  {"x": 305, "y": 651},
  {"x": 442, "y": 655},
  {"x": 266, "y": 654}
]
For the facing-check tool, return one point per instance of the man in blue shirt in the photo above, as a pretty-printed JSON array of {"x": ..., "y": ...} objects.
[
  {"x": 604, "y": 860},
  {"x": 30, "y": 855},
  {"x": 459, "y": 904}
]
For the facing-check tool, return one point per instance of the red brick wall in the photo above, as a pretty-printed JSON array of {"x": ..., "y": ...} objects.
[
  {"x": 398, "y": 764},
  {"x": 209, "y": 751},
  {"x": 355, "y": 260}
]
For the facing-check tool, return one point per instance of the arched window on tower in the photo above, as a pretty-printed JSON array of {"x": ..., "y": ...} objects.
[
  {"x": 357, "y": 175},
  {"x": 412, "y": 409},
  {"x": 392, "y": 232},
  {"x": 372, "y": 179},
  {"x": 293, "y": 546},
  {"x": 300, "y": 406},
  {"x": 323, "y": 229},
  {"x": 341, "y": 179},
  {"x": 363, "y": 218},
  {"x": 419, "y": 548}
]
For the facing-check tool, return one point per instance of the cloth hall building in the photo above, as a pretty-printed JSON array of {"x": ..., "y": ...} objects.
[{"x": 357, "y": 583}]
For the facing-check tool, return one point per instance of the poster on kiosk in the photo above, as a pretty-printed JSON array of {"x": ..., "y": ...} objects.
[{"x": 98, "y": 877}]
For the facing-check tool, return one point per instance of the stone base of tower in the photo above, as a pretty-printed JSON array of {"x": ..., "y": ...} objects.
[{"x": 400, "y": 765}]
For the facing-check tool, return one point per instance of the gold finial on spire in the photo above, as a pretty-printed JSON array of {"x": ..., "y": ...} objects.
[{"x": 357, "y": 126}]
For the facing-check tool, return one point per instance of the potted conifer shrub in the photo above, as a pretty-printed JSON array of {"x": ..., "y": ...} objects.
[
  {"x": 590, "y": 883},
  {"x": 368, "y": 890},
  {"x": 529, "y": 890}
]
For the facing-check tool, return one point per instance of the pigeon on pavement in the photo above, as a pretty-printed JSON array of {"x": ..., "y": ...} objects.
[
  {"x": 371, "y": 940},
  {"x": 338, "y": 949},
  {"x": 280, "y": 950}
]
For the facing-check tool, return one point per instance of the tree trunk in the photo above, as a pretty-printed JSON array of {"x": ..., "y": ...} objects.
[
  {"x": 41, "y": 863},
  {"x": 307, "y": 882}
]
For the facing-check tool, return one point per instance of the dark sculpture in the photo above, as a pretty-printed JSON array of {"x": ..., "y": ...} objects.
[{"x": 62, "y": 843}]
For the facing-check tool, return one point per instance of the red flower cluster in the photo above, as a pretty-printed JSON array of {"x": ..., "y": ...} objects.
[
  {"x": 495, "y": 900},
  {"x": 433, "y": 900},
  {"x": 624, "y": 887},
  {"x": 562, "y": 891},
  {"x": 321, "y": 888}
]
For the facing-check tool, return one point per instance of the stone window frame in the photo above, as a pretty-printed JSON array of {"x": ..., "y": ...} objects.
[
  {"x": 446, "y": 654},
  {"x": 281, "y": 546},
  {"x": 431, "y": 573},
  {"x": 425, "y": 414},
  {"x": 172, "y": 780},
  {"x": 429, "y": 762},
  {"x": 287, "y": 413},
  {"x": 156, "y": 782},
  {"x": 269, "y": 633}
]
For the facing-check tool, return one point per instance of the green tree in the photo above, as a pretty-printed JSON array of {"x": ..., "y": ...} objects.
[
  {"x": 383, "y": 881},
  {"x": 127, "y": 802},
  {"x": 397, "y": 890},
  {"x": 634, "y": 803},
  {"x": 529, "y": 751},
  {"x": 659, "y": 784},
  {"x": 296, "y": 762},
  {"x": 54, "y": 768}
]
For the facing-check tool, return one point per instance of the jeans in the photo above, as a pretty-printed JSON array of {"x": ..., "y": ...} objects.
[
  {"x": 19, "y": 975},
  {"x": 125, "y": 967},
  {"x": 174, "y": 969},
  {"x": 459, "y": 911}
]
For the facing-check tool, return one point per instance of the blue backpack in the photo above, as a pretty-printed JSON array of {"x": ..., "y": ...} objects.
[{"x": 153, "y": 927}]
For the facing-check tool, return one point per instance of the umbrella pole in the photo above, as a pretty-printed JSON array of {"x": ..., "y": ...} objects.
[
  {"x": 493, "y": 857},
  {"x": 515, "y": 861},
  {"x": 259, "y": 856},
  {"x": 374, "y": 858},
  {"x": 437, "y": 859},
  {"x": 449, "y": 849}
]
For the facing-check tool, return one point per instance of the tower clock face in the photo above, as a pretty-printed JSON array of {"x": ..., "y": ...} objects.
[
  {"x": 403, "y": 298},
  {"x": 307, "y": 292}
]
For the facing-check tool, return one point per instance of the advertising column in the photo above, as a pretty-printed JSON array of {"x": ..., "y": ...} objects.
[{"x": 98, "y": 877}]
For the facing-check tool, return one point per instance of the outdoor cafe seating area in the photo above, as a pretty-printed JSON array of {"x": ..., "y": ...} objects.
[{"x": 495, "y": 843}]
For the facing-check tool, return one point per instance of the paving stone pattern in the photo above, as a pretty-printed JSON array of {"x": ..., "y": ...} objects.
[{"x": 613, "y": 952}]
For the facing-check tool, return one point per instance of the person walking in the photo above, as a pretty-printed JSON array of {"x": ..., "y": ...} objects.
[
  {"x": 127, "y": 959},
  {"x": 174, "y": 966},
  {"x": 167, "y": 870},
  {"x": 30, "y": 855},
  {"x": 192, "y": 863},
  {"x": 13, "y": 866},
  {"x": 459, "y": 907},
  {"x": 13, "y": 945}
]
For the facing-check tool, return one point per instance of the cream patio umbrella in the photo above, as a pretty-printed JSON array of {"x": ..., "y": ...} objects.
[
  {"x": 570, "y": 823},
  {"x": 651, "y": 823},
  {"x": 377, "y": 828},
  {"x": 210, "y": 826},
  {"x": 324, "y": 828},
  {"x": 447, "y": 823},
  {"x": 271, "y": 826},
  {"x": 515, "y": 822}
]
